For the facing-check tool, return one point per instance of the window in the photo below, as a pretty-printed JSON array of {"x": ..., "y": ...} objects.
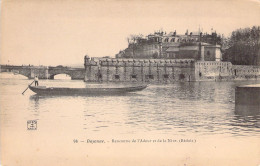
[
  {"x": 134, "y": 76},
  {"x": 117, "y": 77},
  {"x": 150, "y": 76},
  {"x": 166, "y": 76},
  {"x": 166, "y": 40},
  {"x": 173, "y": 40},
  {"x": 181, "y": 76},
  {"x": 208, "y": 52}
]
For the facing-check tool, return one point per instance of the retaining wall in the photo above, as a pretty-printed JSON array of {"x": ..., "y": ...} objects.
[{"x": 165, "y": 70}]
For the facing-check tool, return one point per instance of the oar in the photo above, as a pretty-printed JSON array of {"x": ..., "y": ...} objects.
[{"x": 27, "y": 87}]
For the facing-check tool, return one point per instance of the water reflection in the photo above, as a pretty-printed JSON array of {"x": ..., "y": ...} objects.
[
  {"x": 188, "y": 107},
  {"x": 35, "y": 100},
  {"x": 247, "y": 110},
  {"x": 204, "y": 108},
  {"x": 247, "y": 116}
]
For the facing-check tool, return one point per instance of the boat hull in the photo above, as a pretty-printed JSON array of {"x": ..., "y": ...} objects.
[{"x": 42, "y": 90}]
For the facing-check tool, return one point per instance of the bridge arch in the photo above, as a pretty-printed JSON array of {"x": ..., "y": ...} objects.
[
  {"x": 16, "y": 72},
  {"x": 7, "y": 74},
  {"x": 56, "y": 74}
]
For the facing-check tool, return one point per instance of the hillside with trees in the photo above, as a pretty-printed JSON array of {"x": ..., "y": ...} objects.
[{"x": 243, "y": 47}]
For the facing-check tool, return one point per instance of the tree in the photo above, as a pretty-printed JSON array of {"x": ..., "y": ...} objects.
[
  {"x": 242, "y": 47},
  {"x": 133, "y": 41}
]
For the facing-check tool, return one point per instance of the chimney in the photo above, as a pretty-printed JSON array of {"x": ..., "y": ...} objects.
[
  {"x": 200, "y": 36},
  {"x": 201, "y": 52},
  {"x": 187, "y": 32}
]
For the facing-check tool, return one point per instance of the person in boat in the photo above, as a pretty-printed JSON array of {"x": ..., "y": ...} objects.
[{"x": 36, "y": 81}]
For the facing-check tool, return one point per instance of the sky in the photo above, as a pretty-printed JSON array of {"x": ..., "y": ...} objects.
[{"x": 62, "y": 32}]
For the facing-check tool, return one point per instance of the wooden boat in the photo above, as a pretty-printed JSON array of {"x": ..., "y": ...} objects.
[{"x": 43, "y": 90}]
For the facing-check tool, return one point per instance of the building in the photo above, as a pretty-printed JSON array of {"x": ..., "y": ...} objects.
[
  {"x": 168, "y": 58},
  {"x": 172, "y": 46}
]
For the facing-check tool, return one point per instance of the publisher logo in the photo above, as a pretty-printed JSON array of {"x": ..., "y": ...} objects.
[{"x": 31, "y": 124}]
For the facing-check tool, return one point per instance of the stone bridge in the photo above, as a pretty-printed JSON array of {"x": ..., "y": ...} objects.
[{"x": 44, "y": 72}]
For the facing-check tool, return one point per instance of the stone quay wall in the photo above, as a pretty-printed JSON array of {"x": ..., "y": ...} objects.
[
  {"x": 218, "y": 71},
  {"x": 165, "y": 70},
  {"x": 138, "y": 70},
  {"x": 242, "y": 72},
  {"x": 212, "y": 70}
]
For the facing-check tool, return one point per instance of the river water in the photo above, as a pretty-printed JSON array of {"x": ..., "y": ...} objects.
[{"x": 185, "y": 109}]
